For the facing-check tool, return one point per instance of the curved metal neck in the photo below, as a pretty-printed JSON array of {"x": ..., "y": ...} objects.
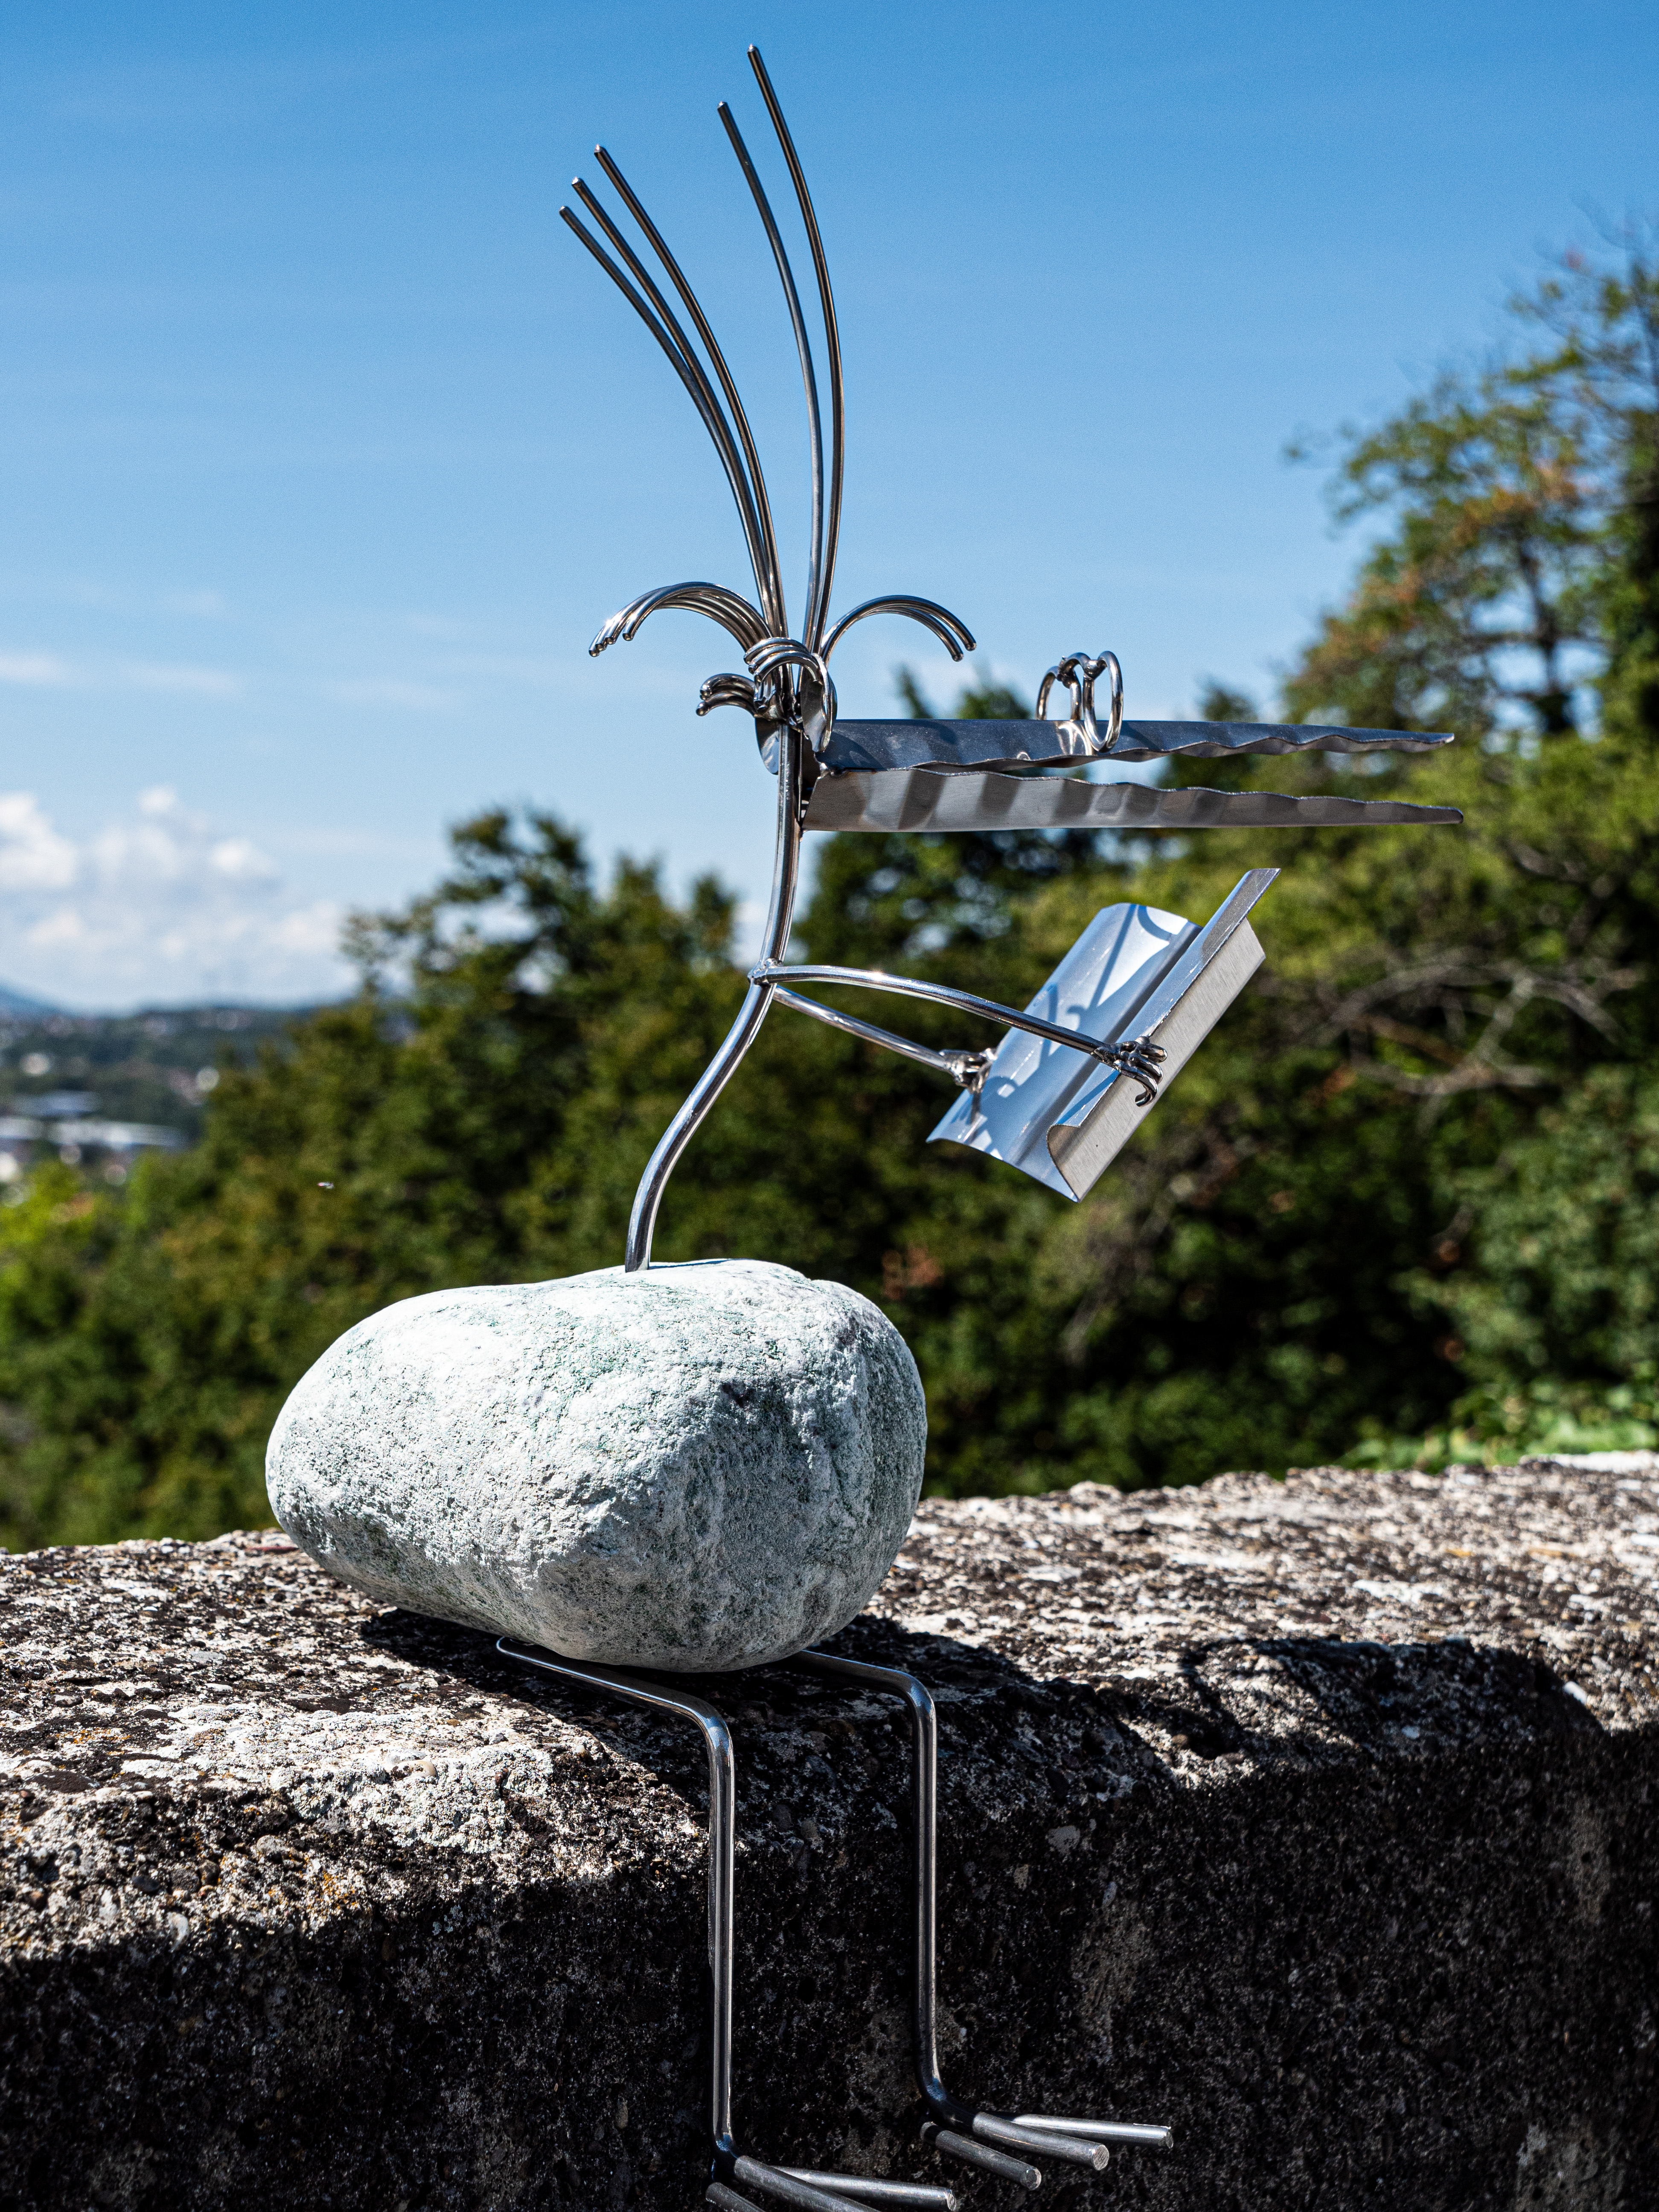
[{"x": 758, "y": 999}]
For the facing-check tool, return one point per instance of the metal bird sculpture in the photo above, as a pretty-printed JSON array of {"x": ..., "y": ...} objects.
[
  {"x": 924, "y": 774},
  {"x": 1056, "y": 1098}
]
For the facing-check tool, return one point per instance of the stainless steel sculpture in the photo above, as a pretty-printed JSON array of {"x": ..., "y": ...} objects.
[
  {"x": 894, "y": 775},
  {"x": 1056, "y": 1098}
]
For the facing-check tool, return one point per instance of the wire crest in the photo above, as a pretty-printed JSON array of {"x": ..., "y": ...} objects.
[{"x": 708, "y": 378}]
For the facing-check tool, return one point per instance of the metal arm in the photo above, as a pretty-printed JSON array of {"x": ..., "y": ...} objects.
[
  {"x": 770, "y": 969},
  {"x": 965, "y": 1069},
  {"x": 1135, "y": 1057}
]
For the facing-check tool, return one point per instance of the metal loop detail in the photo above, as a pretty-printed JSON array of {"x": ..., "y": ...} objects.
[
  {"x": 815, "y": 690},
  {"x": 1078, "y": 672}
]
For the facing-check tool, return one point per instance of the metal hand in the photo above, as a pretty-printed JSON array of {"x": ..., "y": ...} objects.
[
  {"x": 815, "y": 704},
  {"x": 1139, "y": 1058}
]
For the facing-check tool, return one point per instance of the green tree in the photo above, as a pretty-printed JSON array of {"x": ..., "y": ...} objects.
[
  {"x": 1436, "y": 1003},
  {"x": 395, "y": 1144}
]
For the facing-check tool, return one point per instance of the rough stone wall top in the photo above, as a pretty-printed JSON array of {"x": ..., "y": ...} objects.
[
  {"x": 1279, "y": 1584},
  {"x": 238, "y": 1662},
  {"x": 1314, "y": 1816}
]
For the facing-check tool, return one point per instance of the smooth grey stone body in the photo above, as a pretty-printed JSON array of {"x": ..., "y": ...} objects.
[{"x": 694, "y": 1467}]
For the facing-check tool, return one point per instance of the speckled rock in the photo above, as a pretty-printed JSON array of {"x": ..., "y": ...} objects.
[
  {"x": 1317, "y": 1818},
  {"x": 702, "y": 1467}
]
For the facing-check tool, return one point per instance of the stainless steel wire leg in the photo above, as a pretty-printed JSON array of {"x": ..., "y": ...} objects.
[
  {"x": 807, "y": 2192},
  {"x": 989, "y": 2140},
  {"x": 722, "y": 1843}
]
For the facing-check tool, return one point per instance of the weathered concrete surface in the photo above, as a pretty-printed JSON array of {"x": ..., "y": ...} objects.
[
  {"x": 1316, "y": 1818},
  {"x": 707, "y": 1466}
]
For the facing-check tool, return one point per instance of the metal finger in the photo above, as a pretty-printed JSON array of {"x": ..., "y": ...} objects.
[
  {"x": 777, "y": 2181},
  {"x": 952, "y": 633},
  {"x": 949, "y": 2144},
  {"x": 870, "y": 2189},
  {"x": 1072, "y": 2150},
  {"x": 1117, "y": 2131}
]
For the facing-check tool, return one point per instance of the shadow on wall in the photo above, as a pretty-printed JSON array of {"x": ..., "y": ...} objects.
[
  {"x": 1301, "y": 1698},
  {"x": 1377, "y": 1695},
  {"x": 1362, "y": 1920}
]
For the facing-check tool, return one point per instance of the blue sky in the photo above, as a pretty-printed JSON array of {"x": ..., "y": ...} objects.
[{"x": 324, "y": 450}]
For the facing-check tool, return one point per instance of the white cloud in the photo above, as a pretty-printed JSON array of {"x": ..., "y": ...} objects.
[
  {"x": 241, "y": 859},
  {"x": 313, "y": 930},
  {"x": 33, "y": 668},
  {"x": 160, "y": 903},
  {"x": 33, "y": 856}
]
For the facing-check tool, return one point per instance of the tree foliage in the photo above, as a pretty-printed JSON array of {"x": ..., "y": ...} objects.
[{"x": 1404, "y": 1201}]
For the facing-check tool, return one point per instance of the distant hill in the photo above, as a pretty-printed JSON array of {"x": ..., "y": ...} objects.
[{"x": 20, "y": 1007}]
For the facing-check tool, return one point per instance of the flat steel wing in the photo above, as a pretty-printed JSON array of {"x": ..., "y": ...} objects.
[
  {"x": 931, "y": 798},
  {"x": 1136, "y": 972},
  {"x": 878, "y": 746}
]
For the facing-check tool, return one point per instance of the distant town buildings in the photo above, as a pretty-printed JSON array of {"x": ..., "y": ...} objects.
[
  {"x": 63, "y": 1124},
  {"x": 95, "y": 1090}
]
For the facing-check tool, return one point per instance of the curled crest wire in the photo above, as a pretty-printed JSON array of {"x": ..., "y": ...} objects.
[
  {"x": 817, "y": 610},
  {"x": 772, "y": 600},
  {"x": 787, "y": 691}
]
